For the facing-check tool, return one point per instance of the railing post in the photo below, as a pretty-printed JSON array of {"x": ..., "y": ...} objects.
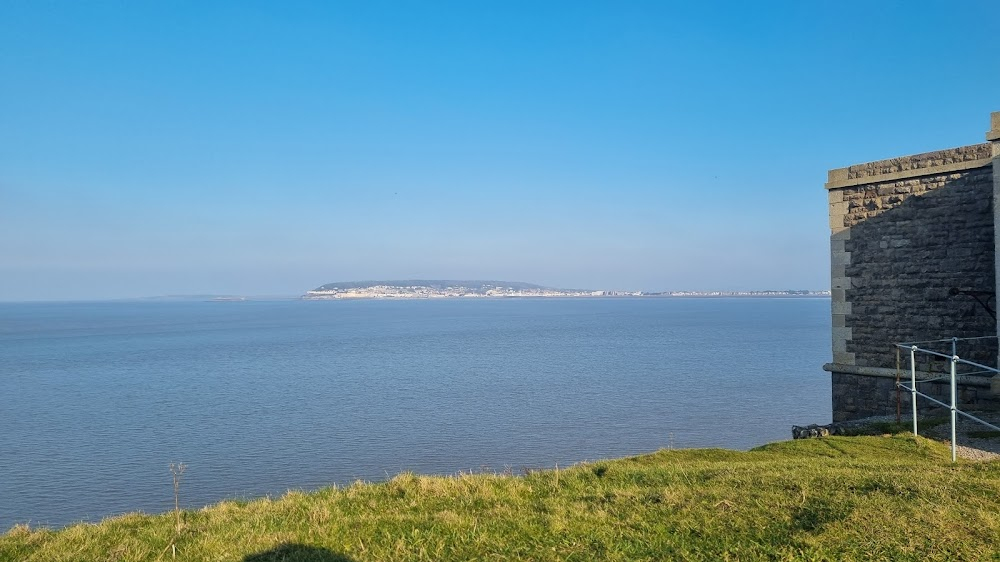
[
  {"x": 913, "y": 386},
  {"x": 954, "y": 416}
]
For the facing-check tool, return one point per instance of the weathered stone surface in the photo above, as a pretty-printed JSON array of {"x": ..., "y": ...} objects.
[
  {"x": 919, "y": 161},
  {"x": 860, "y": 396},
  {"x": 905, "y": 259},
  {"x": 899, "y": 245}
]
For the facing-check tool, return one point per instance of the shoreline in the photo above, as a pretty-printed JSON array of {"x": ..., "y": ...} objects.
[{"x": 558, "y": 297}]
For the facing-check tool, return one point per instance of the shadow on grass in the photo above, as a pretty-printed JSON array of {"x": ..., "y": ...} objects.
[
  {"x": 817, "y": 513},
  {"x": 289, "y": 552}
]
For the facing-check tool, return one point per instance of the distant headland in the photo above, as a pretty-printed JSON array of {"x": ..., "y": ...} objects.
[{"x": 432, "y": 289}]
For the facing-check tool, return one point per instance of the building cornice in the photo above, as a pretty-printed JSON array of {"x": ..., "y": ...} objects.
[{"x": 839, "y": 177}]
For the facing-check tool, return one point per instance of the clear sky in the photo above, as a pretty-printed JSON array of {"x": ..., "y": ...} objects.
[{"x": 152, "y": 148}]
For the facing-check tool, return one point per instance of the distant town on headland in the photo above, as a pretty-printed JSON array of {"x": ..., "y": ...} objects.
[{"x": 431, "y": 289}]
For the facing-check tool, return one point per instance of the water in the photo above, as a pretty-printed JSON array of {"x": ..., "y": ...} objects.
[{"x": 96, "y": 399}]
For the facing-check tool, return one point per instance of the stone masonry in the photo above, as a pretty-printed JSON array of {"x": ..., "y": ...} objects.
[{"x": 910, "y": 237}]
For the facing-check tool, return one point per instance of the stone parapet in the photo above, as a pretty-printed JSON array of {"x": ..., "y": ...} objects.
[{"x": 917, "y": 165}]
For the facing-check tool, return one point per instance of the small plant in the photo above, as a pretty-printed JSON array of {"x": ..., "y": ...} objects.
[{"x": 177, "y": 470}]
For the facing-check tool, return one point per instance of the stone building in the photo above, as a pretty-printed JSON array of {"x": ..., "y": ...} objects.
[{"x": 913, "y": 254}]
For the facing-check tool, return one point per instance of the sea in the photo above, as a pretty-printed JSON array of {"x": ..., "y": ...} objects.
[{"x": 256, "y": 398}]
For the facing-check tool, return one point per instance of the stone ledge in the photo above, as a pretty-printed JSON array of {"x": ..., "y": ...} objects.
[
  {"x": 904, "y": 375},
  {"x": 905, "y": 174}
]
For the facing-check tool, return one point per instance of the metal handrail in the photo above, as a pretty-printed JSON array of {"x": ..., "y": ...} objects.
[
  {"x": 953, "y": 406},
  {"x": 907, "y": 344}
]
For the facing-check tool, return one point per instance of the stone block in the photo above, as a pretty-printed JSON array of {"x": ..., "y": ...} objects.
[
  {"x": 843, "y": 234},
  {"x": 840, "y": 174},
  {"x": 840, "y": 258},
  {"x": 843, "y": 333},
  {"x": 840, "y": 307},
  {"x": 840, "y": 283},
  {"x": 840, "y": 338},
  {"x": 843, "y": 358}
]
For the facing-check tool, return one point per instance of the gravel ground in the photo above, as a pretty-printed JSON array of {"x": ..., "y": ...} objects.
[{"x": 971, "y": 448}]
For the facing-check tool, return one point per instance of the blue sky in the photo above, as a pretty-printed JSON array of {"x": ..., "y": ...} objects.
[{"x": 267, "y": 148}]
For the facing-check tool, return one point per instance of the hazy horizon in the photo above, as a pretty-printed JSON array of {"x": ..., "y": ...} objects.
[
  {"x": 292, "y": 295},
  {"x": 266, "y": 149}
]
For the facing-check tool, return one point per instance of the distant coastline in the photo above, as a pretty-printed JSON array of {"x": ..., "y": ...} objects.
[
  {"x": 457, "y": 289},
  {"x": 749, "y": 294}
]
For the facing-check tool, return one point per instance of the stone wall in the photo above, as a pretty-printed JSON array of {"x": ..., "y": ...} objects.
[
  {"x": 863, "y": 396},
  {"x": 905, "y": 233}
]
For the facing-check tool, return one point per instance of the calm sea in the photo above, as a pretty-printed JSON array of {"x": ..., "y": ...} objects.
[{"x": 96, "y": 399}]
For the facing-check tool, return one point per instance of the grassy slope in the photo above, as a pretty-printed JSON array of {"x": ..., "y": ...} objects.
[{"x": 836, "y": 498}]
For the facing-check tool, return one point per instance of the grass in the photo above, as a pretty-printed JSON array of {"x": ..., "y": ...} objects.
[{"x": 872, "y": 498}]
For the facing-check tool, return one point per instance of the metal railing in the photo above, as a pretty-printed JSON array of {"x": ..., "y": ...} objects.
[{"x": 955, "y": 361}]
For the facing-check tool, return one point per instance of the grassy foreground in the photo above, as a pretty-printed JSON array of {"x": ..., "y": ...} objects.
[{"x": 885, "y": 498}]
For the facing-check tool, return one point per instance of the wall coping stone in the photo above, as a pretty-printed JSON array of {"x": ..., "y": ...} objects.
[
  {"x": 838, "y": 178},
  {"x": 888, "y": 373}
]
